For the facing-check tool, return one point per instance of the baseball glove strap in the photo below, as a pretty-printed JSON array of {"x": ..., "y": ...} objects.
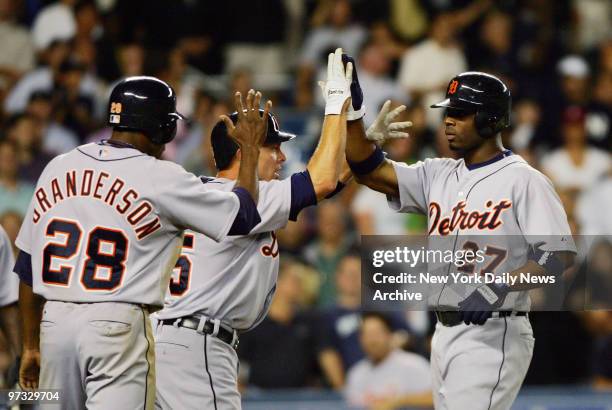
[
  {"x": 204, "y": 325},
  {"x": 453, "y": 318}
]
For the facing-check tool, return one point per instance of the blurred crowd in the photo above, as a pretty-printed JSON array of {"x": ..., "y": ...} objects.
[{"x": 60, "y": 59}]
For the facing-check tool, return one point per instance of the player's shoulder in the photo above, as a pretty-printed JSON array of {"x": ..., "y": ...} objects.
[
  {"x": 433, "y": 164},
  {"x": 519, "y": 168}
]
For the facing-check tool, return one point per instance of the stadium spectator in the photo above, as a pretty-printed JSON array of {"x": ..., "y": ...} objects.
[
  {"x": 249, "y": 45},
  {"x": 333, "y": 27},
  {"x": 589, "y": 205},
  {"x": 24, "y": 131},
  {"x": 332, "y": 243},
  {"x": 426, "y": 67},
  {"x": 280, "y": 352},
  {"x": 16, "y": 49},
  {"x": 599, "y": 118},
  {"x": 194, "y": 151},
  {"x": 496, "y": 52},
  {"x": 575, "y": 165},
  {"x": 57, "y": 139},
  {"x": 387, "y": 378},
  {"x": 339, "y": 324},
  {"x": 15, "y": 194},
  {"x": 375, "y": 80},
  {"x": 55, "y": 22},
  {"x": 292, "y": 238}
]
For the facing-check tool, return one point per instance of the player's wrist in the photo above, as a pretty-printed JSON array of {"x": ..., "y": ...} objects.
[
  {"x": 494, "y": 293},
  {"x": 354, "y": 115}
]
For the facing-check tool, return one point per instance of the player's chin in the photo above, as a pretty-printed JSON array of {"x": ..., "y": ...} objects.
[{"x": 454, "y": 146}]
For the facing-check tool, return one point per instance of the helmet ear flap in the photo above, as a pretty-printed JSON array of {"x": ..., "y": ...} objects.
[
  {"x": 164, "y": 132},
  {"x": 486, "y": 124}
]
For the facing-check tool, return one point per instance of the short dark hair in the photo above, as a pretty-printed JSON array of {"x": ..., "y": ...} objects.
[
  {"x": 380, "y": 316},
  {"x": 224, "y": 148}
]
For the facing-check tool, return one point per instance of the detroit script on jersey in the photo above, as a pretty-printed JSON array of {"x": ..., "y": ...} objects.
[{"x": 460, "y": 218}]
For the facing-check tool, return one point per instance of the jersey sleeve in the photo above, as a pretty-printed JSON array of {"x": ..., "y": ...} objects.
[
  {"x": 24, "y": 237},
  {"x": 541, "y": 216},
  {"x": 274, "y": 205},
  {"x": 9, "y": 290},
  {"x": 188, "y": 203},
  {"x": 412, "y": 185}
]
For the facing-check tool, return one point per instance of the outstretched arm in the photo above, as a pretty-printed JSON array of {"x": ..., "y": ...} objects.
[
  {"x": 364, "y": 155},
  {"x": 326, "y": 163}
]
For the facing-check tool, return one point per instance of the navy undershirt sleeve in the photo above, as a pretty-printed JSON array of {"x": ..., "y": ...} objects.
[
  {"x": 247, "y": 216},
  {"x": 23, "y": 267},
  {"x": 302, "y": 193}
]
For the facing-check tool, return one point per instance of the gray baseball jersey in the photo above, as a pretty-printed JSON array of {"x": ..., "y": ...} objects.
[
  {"x": 510, "y": 206},
  {"x": 9, "y": 282},
  {"x": 233, "y": 280},
  {"x": 106, "y": 224},
  {"x": 506, "y": 200}
]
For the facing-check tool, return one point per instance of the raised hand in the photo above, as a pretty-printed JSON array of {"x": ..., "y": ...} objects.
[
  {"x": 336, "y": 88},
  {"x": 252, "y": 126},
  {"x": 384, "y": 128}
]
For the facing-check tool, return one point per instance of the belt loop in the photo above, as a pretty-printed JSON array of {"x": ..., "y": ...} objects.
[
  {"x": 495, "y": 315},
  {"x": 217, "y": 324},
  {"x": 201, "y": 324},
  {"x": 177, "y": 322}
]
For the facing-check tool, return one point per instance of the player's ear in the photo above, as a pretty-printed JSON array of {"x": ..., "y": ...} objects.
[{"x": 238, "y": 155}]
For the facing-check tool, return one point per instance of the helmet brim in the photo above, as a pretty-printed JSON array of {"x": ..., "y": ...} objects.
[
  {"x": 442, "y": 104},
  {"x": 285, "y": 136}
]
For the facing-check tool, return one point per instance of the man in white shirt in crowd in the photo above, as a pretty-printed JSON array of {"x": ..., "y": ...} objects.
[{"x": 388, "y": 378}]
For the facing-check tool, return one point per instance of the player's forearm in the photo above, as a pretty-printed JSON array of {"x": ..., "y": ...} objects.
[
  {"x": 326, "y": 162},
  {"x": 9, "y": 323},
  {"x": 247, "y": 174},
  {"x": 30, "y": 306},
  {"x": 536, "y": 270},
  {"x": 358, "y": 150},
  {"x": 345, "y": 171},
  {"x": 358, "y": 147}
]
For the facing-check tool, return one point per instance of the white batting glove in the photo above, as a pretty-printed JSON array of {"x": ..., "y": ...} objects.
[
  {"x": 384, "y": 128},
  {"x": 336, "y": 89}
]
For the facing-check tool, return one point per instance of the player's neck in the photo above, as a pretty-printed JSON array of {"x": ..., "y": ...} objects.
[
  {"x": 228, "y": 174},
  {"x": 135, "y": 139},
  {"x": 483, "y": 153}
]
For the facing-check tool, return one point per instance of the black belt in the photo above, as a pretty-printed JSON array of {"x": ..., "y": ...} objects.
[
  {"x": 453, "y": 317},
  {"x": 193, "y": 322}
]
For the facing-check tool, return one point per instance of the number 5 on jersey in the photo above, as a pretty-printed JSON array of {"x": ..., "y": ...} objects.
[{"x": 179, "y": 282}]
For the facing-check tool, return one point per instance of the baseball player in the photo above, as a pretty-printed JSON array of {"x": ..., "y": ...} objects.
[
  {"x": 483, "y": 341},
  {"x": 99, "y": 241},
  {"x": 9, "y": 292},
  {"x": 221, "y": 289}
]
